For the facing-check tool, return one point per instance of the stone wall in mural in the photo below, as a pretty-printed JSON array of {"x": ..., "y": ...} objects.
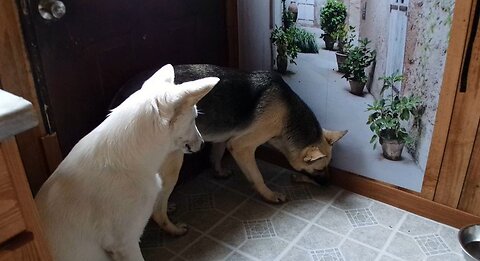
[{"x": 426, "y": 49}]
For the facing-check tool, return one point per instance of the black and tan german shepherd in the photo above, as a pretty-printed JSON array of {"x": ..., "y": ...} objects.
[{"x": 245, "y": 110}]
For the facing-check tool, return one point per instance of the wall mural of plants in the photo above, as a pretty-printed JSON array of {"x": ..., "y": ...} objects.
[
  {"x": 389, "y": 116},
  {"x": 345, "y": 37},
  {"x": 287, "y": 49},
  {"x": 430, "y": 23},
  {"x": 305, "y": 41},
  {"x": 358, "y": 58},
  {"x": 332, "y": 20},
  {"x": 289, "y": 40}
]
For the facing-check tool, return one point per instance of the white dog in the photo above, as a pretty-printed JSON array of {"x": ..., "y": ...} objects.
[{"x": 98, "y": 201}]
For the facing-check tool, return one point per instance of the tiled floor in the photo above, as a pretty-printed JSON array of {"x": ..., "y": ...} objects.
[{"x": 229, "y": 221}]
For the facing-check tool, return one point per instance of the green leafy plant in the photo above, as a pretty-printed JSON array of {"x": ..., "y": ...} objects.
[
  {"x": 358, "y": 58},
  {"x": 332, "y": 16},
  {"x": 388, "y": 113},
  {"x": 305, "y": 41},
  {"x": 345, "y": 40},
  {"x": 284, "y": 39}
]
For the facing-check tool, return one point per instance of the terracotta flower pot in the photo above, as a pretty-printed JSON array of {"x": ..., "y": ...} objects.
[
  {"x": 356, "y": 87},
  {"x": 329, "y": 41},
  {"x": 341, "y": 57},
  {"x": 282, "y": 63},
  {"x": 392, "y": 149}
]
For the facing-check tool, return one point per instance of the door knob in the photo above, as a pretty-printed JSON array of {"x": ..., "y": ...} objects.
[{"x": 51, "y": 9}]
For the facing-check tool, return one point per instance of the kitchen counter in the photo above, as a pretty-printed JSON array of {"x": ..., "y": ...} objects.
[{"x": 16, "y": 115}]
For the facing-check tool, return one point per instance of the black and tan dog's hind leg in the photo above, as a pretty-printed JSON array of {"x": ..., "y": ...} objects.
[
  {"x": 216, "y": 155},
  {"x": 169, "y": 175}
]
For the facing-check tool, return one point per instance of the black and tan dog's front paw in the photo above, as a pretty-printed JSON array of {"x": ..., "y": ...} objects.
[
  {"x": 275, "y": 197},
  {"x": 298, "y": 178},
  {"x": 179, "y": 229},
  {"x": 223, "y": 173}
]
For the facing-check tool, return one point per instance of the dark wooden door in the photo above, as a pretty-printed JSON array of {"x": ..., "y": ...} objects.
[{"x": 81, "y": 59}]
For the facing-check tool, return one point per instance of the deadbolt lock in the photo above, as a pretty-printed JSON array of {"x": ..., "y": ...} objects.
[{"x": 51, "y": 9}]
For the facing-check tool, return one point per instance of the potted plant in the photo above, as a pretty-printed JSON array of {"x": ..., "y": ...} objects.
[
  {"x": 287, "y": 49},
  {"x": 358, "y": 58},
  {"x": 332, "y": 17},
  {"x": 387, "y": 117},
  {"x": 344, "y": 42}
]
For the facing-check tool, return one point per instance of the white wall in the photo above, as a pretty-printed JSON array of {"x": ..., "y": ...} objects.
[
  {"x": 354, "y": 14},
  {"x": 375, "y": 28},
  {"x": 254, "y": 34}
]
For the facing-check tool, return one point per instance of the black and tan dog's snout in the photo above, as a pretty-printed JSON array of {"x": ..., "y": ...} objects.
[
  {"x": 195, "y": 146},
  {"x": 321, "y": 177}
]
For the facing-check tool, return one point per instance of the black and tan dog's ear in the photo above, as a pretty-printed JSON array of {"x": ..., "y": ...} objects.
[
  {"x": 333, "y": 136},
  {"x": 312, "y": 154}
]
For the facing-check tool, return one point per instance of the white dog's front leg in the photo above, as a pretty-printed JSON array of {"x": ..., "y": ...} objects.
[
  {"x": 169, "y": 174},
  {"x": 129, "y": 252}
]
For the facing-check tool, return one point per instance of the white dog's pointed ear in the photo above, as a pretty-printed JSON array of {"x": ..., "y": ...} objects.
[
  {"x": 333, "y": 136},
  {"x": 195, "y": 90},
  {"x": 312, "y": 154},
  {"x": 165, "y": 74}
]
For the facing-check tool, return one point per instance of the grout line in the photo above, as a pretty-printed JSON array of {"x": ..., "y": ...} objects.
[
  {"x": 332, "y": 231},
  {"x": 438, "y": 230},
  {"x": 213, "y": 227},
  {"x": 383, "y": 251},
  {"x": 233, "y": 248},
  {"x": 347, "y": 235},
  {"x": 416, "y": 243},
  {"x": 310, "y": 223},
  {"x": 227, "y": 215},
  {"x": 307, "y": 227},
  {"x": 206, "y": 235},
  {"x": 229, "y": 255}
]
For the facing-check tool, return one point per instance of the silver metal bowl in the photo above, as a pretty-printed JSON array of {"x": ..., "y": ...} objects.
[{"x": 469, "y": 238}]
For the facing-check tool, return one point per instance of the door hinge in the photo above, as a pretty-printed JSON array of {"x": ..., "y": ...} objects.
[
  {"x": 48, "y": 123},
  {"x": 24, "y": 6}
]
